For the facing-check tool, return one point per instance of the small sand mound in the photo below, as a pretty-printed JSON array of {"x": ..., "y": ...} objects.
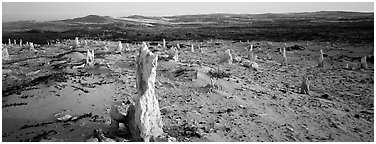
[{"x": 75, "y": 56}]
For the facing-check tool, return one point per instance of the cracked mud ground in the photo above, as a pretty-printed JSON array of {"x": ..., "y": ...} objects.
[{"x": 249, "y": 105}]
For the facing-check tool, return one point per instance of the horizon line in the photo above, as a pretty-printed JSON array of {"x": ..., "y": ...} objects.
[{"x": 192, "y": 14}]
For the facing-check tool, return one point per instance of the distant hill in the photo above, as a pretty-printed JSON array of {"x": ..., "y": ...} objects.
[
  {"x": 214, "y": 17},
  {"x": 321, "y": 26},
  {"x": 91, "y": 19},
  {"x": 136, "y": 17},
  {"x": 318, "y": 14}
]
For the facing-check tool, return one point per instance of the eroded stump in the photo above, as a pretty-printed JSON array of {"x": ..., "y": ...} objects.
[
  {"x": 321, "y": 59},
  {"x": 120, "y": 47},
  {"x": 76, "y": 42},
  {"x": 284, "y": 56},
  {"x": 90, "y": 57},
  {"x": 127, "y": 47},
  {"x": 304, "y": 87},
  {"x": 5, "y": 54},
  {"x": 31, "y": 47},
  {"x": 363, "y": 62},
  {"x": 147, "y": 122},
  {"x": 174, "y": 54},
  {"x": 122, "y": 113},
  {"x": 226, "y": 57}
]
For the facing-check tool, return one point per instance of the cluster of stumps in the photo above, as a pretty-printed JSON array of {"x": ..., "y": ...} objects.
[
  {"x": 5, "y": 53},
  {"x": 142, "y": 114}
]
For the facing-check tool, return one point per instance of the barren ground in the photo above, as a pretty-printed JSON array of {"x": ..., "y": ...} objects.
[{"x": 249, "y": 105}]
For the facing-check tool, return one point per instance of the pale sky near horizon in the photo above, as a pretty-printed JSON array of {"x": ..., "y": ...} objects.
[{"x": 42, "y": 11}]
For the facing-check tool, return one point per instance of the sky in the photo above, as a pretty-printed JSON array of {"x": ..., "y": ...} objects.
[{"x": 45, "y": 11}]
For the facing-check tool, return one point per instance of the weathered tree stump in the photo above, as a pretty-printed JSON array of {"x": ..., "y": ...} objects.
[
  {"x": 120, "y": 47},
  {"x": 363, "y": 62},
  {"x": 174, "y": 54},
  {"x": 90, "y": 57},
  {"x": 321, "y": 59},
  {"x": 127, "y": 47},
  {"x": 284, "y": 56},
  {"x": 237, "y": 59},
  {"x": 122, "y": 113},
  {"x": 304, "y": 87},
  {"x": 347, "y": 66},
  {"x": 31, "y": 47},
  {"x": 105, "y": 48},
  {"x": 76, "y": 42},
  {"x": 255, "y": 66},
  {"x": 226, "y": 57},
  {"x": 5, "y": 54},
  {"x": 147, "y": 124},
  {"x": 201, "y": 50}
]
